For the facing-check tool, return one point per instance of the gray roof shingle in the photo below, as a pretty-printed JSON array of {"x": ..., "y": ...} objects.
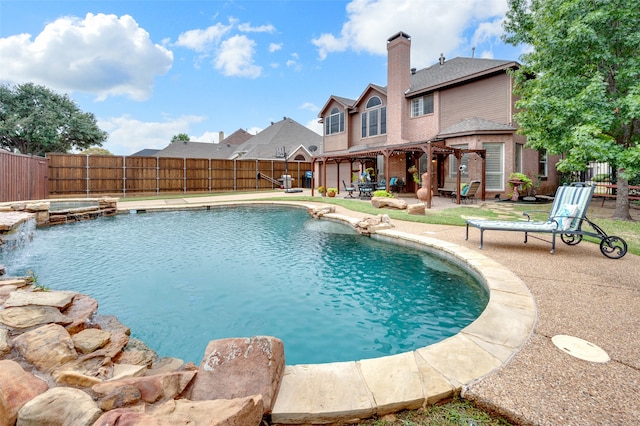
[
  {"x": 453, "y": 71},
  {"x": 476, "y": 125}
]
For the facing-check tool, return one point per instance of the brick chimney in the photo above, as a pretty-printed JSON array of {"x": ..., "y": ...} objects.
[
  {"x": 220, "y": 136},
  {"x": 398, "y": 81}
]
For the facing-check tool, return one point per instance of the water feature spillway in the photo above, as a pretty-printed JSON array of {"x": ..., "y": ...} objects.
[{"x": 180, "y": 279}]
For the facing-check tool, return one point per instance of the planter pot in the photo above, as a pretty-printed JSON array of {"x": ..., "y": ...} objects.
[{"x": 331, "y": 194}]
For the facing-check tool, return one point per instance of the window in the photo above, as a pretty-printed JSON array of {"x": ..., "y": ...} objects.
[
  {"x": 494, "y": 166},
  {"x": 543, "y": 163},
  {"x": 422, "y": 106},
  {"x": 453, "y": 163},
  {"x": 519, "y": 148},
  {"x": 334, "y": 123},
  {"x": 374, "y": 120}
]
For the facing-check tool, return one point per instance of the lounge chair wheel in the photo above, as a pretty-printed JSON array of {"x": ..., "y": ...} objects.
[
  {"x": 571, "y": 239},
  {"x": 613, "y": 247}
]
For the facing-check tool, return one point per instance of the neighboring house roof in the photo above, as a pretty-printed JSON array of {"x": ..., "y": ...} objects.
[
  {"x": 286, "y": 133},
  {"x": 238, "y": 137},
  {"x": 197, "y": 150},
  {"x": 145, "y": 153},
  {"x": 454, "y": 71},
  {"x": 475, "y": 125}
]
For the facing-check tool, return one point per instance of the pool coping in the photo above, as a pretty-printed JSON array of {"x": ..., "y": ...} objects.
[{"x": 351, "y": 390}]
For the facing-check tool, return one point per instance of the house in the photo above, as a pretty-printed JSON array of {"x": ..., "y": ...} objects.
[
  {"x": 453, "y": 119},
  {"x": 222, "y": 150},
  {"x": 280, "y": 138}
]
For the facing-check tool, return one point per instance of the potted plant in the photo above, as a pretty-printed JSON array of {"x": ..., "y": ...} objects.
[
  {"x": 414, "y": 172},
  {"x": 331, "y": 192},
  {"x": 371, "y": 172},
  {"x": 322, "y": 190}
]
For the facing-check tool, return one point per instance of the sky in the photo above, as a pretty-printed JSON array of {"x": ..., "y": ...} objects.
[{"x": 149, "y": 69}]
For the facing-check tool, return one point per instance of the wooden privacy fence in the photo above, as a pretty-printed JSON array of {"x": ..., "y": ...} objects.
[
  {"x": 91, "y": 175},
  {"x": 23, "y": 177}
]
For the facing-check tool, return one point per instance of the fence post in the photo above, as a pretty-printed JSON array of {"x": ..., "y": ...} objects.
[
  {"x": 124, "y": 176},
  {"x": 235, "y": 176},
  {"x": 157, "y": 175},
  {"x": 86, "y": 163}
]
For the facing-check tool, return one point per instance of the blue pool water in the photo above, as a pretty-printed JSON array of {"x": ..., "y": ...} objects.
[{"x": 181, "y": 279}]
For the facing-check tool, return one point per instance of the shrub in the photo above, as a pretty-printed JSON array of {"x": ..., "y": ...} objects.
[{"x": 382, "y": 193}]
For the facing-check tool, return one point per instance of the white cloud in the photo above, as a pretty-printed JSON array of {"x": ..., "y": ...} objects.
[
  {"x": 247, "y": 28},
  {"x": 435, "y": 26},
  {"x": 203, "y": 40},
  {"x": 213, "y": 137},
  {"x": 235, "y": 57},
  {"x": 315, "y": 126},
  {"x": 128, "y": 135},
  {"x": 274, "y": 47},
  {"x": 309, "y": 107},
  {"x": 101, "y": 55}
]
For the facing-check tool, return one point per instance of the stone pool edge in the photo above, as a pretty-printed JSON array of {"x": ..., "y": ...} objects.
[{"x": 344, "y": 391}]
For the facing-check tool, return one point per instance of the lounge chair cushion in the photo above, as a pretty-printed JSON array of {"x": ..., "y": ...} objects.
[{"x": 566, "y": 215}]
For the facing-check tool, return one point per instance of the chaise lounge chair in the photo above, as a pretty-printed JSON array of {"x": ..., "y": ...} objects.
[
  {"x": 567, "y": 215},
  {"x": 467, "y": 193}
]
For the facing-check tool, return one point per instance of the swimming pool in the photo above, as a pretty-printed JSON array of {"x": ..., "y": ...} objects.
[{"x": 181, "y": 279}]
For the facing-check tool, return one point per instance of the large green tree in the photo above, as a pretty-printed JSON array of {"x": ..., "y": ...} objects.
[
  {"x": 579, "y": 84},
  {"x": 35, "y": 120}
]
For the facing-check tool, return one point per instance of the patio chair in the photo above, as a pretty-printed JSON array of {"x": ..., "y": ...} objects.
[
  {"x": 467, "y": 193},
  {"x": 366, "y": 190},
  {"x": 382, "y": 185},
  {"x": 349, "y": 188},
  {"x": 567, "y": 215}
]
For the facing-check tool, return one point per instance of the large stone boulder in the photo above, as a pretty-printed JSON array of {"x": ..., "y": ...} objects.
[
  {"x": 241, "y": 411},
  {"x": 16, "y": 388},
  {"x": 81, "y": 310},
  {"x": 47, "y": 347},
  {"x": 90, "y": 339},
  {"x": 240, "y": 367},
  {"x": 392, "y": 203},
  {"x": 59, "y": 407}
]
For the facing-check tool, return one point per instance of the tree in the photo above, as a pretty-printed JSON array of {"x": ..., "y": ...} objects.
[
  {"x": 96, "y": 151},
  {"x": 34, "y": 120},
  {"x": 579, "y": 85},
  {"x": 180, "y": 137}
]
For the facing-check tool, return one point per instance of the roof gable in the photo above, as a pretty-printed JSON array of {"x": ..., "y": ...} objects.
[
  {"x": 346, "y": 103},
  {"x": 286, "y": 133}
]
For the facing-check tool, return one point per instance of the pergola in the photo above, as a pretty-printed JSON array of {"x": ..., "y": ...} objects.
[{"x": 433, "y": 148}]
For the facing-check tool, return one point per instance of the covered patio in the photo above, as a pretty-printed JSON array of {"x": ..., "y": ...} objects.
[{"x": 436, "y": 150}]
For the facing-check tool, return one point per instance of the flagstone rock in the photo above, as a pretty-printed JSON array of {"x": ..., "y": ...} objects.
[
  {"x": 58, "y": 299},
  {"x": 90, "y": 339},
  {"x": 76, "y": 379},
  {"x": 81, "y": 310},
  {"x": 31, "y": 316},
  {"x": 127, "y": 371},
  {"x": 165, "y": 365},
  {"x": 5, "y": 348},
  {"x": 241, "y": 411},
  {"x": 16, "y": 388},
  {"x": 120, "y": 397},
  {"x": 152, "y": 388},
  {"x": 17, "y": 282},
  {"x": 46, "y": 347},
  {"x": 240, "y": 367},
  {"x": 60, "y": 406}
]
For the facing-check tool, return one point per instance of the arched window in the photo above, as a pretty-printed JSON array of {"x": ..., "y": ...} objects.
[
  {"x": 374, "y": 119},
  {"x": 334, "y": 122}
]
